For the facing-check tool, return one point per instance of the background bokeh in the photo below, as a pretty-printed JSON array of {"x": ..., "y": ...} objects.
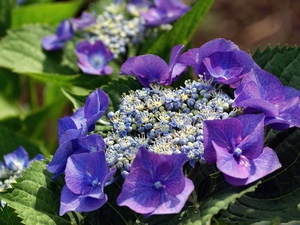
[{"x": 251, "y": 24}]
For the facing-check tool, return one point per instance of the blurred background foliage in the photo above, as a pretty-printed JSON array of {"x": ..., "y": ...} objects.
[{"x": 252, "y": 24}]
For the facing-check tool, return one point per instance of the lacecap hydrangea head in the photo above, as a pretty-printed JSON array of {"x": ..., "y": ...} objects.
[{"x": 164, "y": 121}]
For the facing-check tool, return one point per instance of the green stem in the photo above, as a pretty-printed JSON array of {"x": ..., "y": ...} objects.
[
  {"x": 117, "y": 213},
  {"x": 194, "y": 171}
]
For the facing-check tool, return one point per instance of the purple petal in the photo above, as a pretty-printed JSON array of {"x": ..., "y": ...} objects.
[
  {"x": 252, "y": 134},
  {"x": 17, "y": 160},
  {"x": 268, "y": 88},
  {"x": 175, "y": 68},
  {"x": 137, "y": 6},
  {"x": 71, "y": 127},
  {"x": 288, "y": 116},
  {"x": 72, "y": 202},
  {"x": 93, "y": 58},
  {"x": 52, "y": 43},
  {"x": 138, "y": 192},
  {"x": 65, "y": 31},
  {"x": 90, "y": 143},
  {"x": 291, "y": 92},
  {"x": 86, "y": 172},
  {"x": 224, "y": 67},
  {"x": 189, "y": 57},
  {"x": 265, "y": 164},
  {"x": 231, "y": 166},
  {"x": 221, "y": 59},
  {"x": 95, "y": 106},
  {"x": 150, "y": 68},
  {"x": 86, "y": 19},
  {"x": 126, "y": 68},
  {"x": 56, "y": 42},
  {"x": 225, "y": 133},
  {"x": 174, "y": 204}
]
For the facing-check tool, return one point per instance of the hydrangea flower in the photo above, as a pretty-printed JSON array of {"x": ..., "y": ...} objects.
[
  {"x": 93, "y": 58},
  {"x": 220, "y": 59},
  {"x": 261, "y": 91},
  {"x": 161, "y": 12},
  {"x": 56, "y": 42},
  {"x": 85, "y": 176},
  {"x": 86, "y": 19},
  {"x": 156, "y": 184},
  {"x": 17, "y": 160},
  {"x": 84, "y": 119},
  {"x": 15, "y": 163},
  {"x": 91, "y": 143},
  {"x": 137, "y": 6},
  {"x": 236, "y": 146},
  {"x": 150, "y": 69}
]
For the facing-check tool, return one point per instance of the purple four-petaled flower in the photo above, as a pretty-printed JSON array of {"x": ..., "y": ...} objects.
[
  {"x": 150, "y": 69},
  {"x": 91, "y": 143},
  {"x": 236, "y": 146},
  {"x": 85, "y": 176},
  {"x": 220, "y": 59},
  {"x": 17, "y": 161},
  {"x": 161, "y": 12},
  {"x": 63, "y": 34},
  {"x": 261, "y": 91},
  {"x": 94, "y": 57},
  {"x": 84, "y": 119},
  {"x": 86, "y": 19},
  {"x": 156, "y": 184}
]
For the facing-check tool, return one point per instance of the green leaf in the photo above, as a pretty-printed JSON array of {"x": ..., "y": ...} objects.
[
  {"x": 10, "y": 141},
  {"x": 278, "y": 196},
  {"x": 5, "y": 16},
  {"x": 283, "y": 62},
  {"x": 36, "y": 197},
  {"x": 45, "y": 130},
  {"x": 43, "y": 13},
  {"x": 9, "y": 85},
  {"x": 182, "y": 31},
  {"x": 22, "y": 52},
  {"x": 8, "y": 216}
]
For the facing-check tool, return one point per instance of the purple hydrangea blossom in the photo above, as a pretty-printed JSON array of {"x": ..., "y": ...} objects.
[
  {"x": 86, "y": 19},
  {"x": 161, "y": 12},
  {"x": 156, "y": 184},
  {"x": 220, "y": 59},
  {"x": 84, "y": 119},
  {"x": 93, "y": 58},
  {"x": 261, "y": 91},
  {"x": 17, "y": 160},
  {"x": 135, "y": 7},
  {"x": 236, "y": 146},
  {"x": 150, "y": 69},
  {"x": 63, "y": 34},
  {"x": 85, "y": 176},
  {"x": 91, "y": 143}
]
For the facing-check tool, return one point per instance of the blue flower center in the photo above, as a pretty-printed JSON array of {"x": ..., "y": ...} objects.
[
  {"x": 96, "y": 61},
  {"x": 237, "y": 152},
  {"x": 95, "y": 183},
  {"x": 158, "y": 185}
]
